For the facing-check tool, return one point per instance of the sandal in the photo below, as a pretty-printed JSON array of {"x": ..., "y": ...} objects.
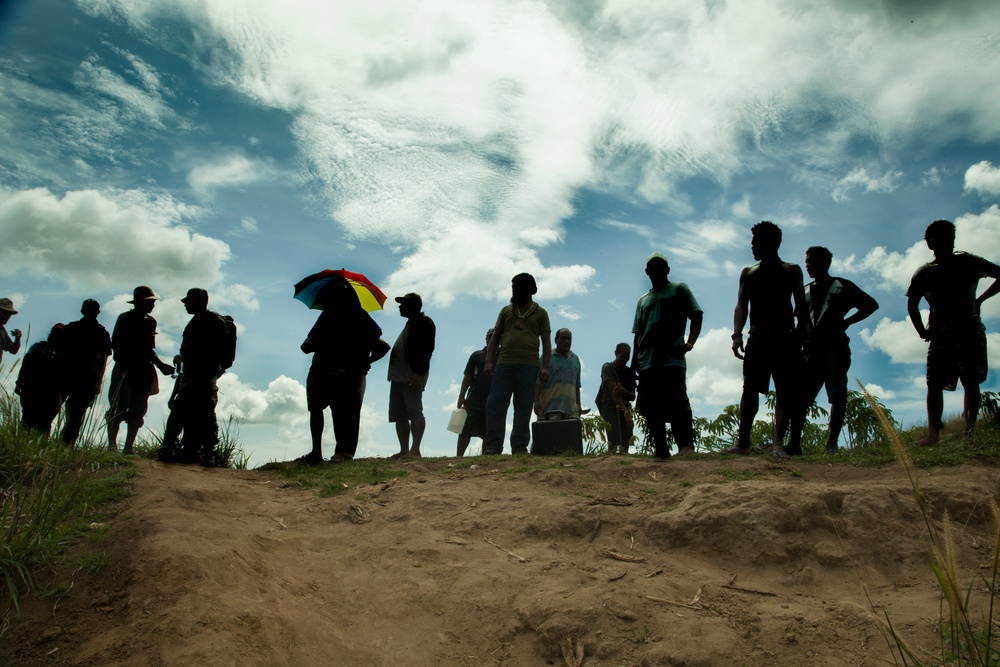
[
  {"x": 339, "y": 458},
  {"x": 780, "y": 455},
  {"x": 310, "y": 459}
]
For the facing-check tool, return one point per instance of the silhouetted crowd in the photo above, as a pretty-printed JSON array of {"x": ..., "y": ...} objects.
[{"x": 796, "y": 336}]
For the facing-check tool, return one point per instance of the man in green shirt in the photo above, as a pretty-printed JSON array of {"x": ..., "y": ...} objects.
[
  {"x": 661, "y": 317},
  {"x": 519, "y": 328}
]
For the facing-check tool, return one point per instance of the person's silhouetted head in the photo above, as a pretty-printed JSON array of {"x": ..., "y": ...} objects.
[
  {"x": 564, "y": 340},
  {"x": 196, "y": 301},
  {"x": 143, "y": 299},
  {"x": 55, "y": 333},
  {"x": 6, "y": 310},
  {"x": 940, "y": 237},
  {"x": 340, "y": 297},
  {"x": 657, "y": 268},
  {"x": 766, "y": 239},
  {"x": 410, "y": 304},
  {"x": 622, "y": 353},
  {"x": 90, "y": 309},
  {"x": 489, "y": 334},
  {"x": 522, "y": 288},
  {"x": 818, "y": 260}
]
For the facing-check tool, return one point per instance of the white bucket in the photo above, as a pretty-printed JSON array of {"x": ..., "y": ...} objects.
[{"x": 457, "y": 421}]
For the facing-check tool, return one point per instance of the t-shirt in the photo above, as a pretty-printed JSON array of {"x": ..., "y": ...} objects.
[
  {"x": 201, "y": 345},
  {"x": 950, "y": 288},
  {"x": 661, "y": 318},
  {"x": 481, "y": 382},
  {"x": 828, "y": 312},
  {"x": 624, "y": 376},
  {"x": 559, "y": 391},
  {"x": 133, "y": 340},
  {"x": 86, "y": 346},
  {"x": 344, "y": 342},
  {"x": 520, "y": 344}
]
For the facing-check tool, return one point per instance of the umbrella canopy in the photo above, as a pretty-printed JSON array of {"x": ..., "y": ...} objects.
[{"x": 308, "y": 289}]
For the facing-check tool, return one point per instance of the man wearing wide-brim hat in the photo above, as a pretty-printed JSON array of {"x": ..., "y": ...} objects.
[
  {"x": 8, "y": 344},
  {"x": 133, "y": 378}
]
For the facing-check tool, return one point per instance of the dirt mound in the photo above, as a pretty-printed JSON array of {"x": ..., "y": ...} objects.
[{"x": 620, "y": 561}]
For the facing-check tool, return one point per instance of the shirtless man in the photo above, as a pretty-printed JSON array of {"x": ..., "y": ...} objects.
[
  {"x": 767, "y": 292},
  {"x": 957, "y": 337}
]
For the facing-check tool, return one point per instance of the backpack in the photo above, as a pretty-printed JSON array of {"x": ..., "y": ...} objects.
[{"x": 227, "y": 350}]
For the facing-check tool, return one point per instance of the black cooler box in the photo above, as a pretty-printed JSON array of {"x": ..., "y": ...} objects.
[{"x": 555, "y": 436}]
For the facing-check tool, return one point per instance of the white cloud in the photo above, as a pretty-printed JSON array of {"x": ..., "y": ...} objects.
[
  {"x": 860, "y": 178},
  {"x": 231, "y": 171},
  {"x": 715, "y": 375},
  {"x": 283, "y": 402},
  {"x": 880, "y": 392},
  {"x": 931, "y": 177},
  {"x": 984, "y": 178},
  {"x": 898, "y": 340},
  {"x": 107, "y": 239},
  {"x": 567, "y": 313},
  {"x": 424, "y": 122},
  {"x": 135, "y": 103}
]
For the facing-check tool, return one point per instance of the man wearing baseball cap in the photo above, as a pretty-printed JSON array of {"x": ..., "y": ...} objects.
[
  {"x": 661, "y": 317},
  {"x": 409, "y": 363},
  {"x": 133, "y": 378},
  {"x": 196, "y": 392},
  {"x": 7, "y": 344},
  {"x": 85, "y": 350}
]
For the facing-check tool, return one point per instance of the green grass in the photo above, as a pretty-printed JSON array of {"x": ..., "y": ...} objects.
[
  {"x": 52, "y": 497},
  {"x": 333, "y": 479}
]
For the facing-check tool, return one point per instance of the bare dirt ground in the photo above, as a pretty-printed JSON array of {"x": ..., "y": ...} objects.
[{"x": 620, "y": 561}]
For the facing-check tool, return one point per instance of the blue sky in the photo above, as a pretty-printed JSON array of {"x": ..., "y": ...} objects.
[{"x": 442, "y": 147}]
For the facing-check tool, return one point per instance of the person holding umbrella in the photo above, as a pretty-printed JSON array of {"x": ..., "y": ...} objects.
[{"x": 344, "y": 342}]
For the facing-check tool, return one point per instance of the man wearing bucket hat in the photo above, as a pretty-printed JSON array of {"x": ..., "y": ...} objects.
[
  {"x": 8, "y": 344},
  {"x": 133, "y": 378}
]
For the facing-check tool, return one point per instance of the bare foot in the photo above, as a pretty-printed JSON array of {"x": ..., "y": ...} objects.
[
  {"x": 398, "y": 455},
  {"x": 929, "y": 441},
  {"x": 737, "y": 451},
  {"x": 412, "y": 454},
  {"x": 685, "y": 450}
]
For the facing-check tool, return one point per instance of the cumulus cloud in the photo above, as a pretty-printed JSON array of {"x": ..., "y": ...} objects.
[
  {"x": 879, "y": 391},
  {"x": 860, "y": 178},
  {"x": 715, "y": 375},
  {"x": 283, "y": 402},
  {"x": 898, "y": 340},
  {"x": 110, "y": 239},
  {"x": 983, "y": 178},
  {"x": 232, "y": 171}
]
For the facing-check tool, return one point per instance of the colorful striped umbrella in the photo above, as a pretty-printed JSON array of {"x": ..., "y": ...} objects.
[{"x": 309, "y": 289}]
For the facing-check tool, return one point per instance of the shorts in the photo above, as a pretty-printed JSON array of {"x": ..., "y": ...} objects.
[
  {"x": 405, "y": 402},
  {"x": 128, "y": 401},
  {"x": 829, "y": 361},
  {"x": 475, "y": 423},
  {"x": 959, "y": 353},
  {"x": 325, "y": 387},
  {"x": 772, "y": 355},
  {"x": 662, "y": 394}
]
